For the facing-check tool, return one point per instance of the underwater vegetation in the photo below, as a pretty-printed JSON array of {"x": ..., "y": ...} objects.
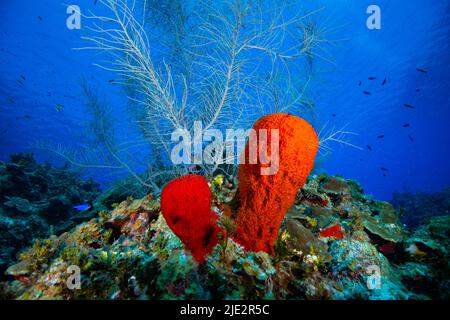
[
  {"x": 36, "y": 201},
  {"x": 132, "y": 253}
]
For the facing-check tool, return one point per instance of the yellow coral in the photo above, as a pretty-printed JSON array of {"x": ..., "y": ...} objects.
[
  {"x": 285, "y": 236},
  {"x": 312, "y": 222},
  {"x": 218, "y": 180}
]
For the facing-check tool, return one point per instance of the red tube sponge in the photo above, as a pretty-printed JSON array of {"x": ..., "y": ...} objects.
[
  {"x": 264, "y": 199},
  {"x": 186, "y": 206}
]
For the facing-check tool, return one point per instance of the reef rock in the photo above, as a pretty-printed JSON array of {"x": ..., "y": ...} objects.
[
  {"x": 359, "y": 262},
  {"x": 132, "y": 253},
  {"x": 36, "y": 201},
  {"x": 417, "y": 207}
]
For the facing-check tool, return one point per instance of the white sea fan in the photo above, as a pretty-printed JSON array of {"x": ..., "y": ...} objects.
[{"x": 245, "y": 59}]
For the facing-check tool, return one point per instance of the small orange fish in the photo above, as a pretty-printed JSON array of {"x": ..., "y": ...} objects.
[{"x": 334, "y": 231}]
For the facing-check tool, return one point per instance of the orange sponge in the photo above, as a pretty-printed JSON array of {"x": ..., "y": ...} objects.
[{"x": 264, "y": 199}]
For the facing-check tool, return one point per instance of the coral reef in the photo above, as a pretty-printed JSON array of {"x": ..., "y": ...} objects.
[
  {"x": 36, "y": 201},
  {"x": 265, "y": 198},
  {"x": 417, "y": 207},
  {"x": 132, "y": 253},
  {"x": 428, "y": 263}
]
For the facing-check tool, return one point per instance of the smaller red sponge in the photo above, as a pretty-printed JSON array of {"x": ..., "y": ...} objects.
[
  {"x": 186, "y": 206},
  {"x": 334, "y": 231}
]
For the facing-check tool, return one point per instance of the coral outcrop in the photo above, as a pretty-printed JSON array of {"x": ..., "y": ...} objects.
[
  {"x": 417, "y": 207},
  {"x": 428, "y": 260},
  {"x": 132, "y": 253},
  {"x": 36, "y": 201},
  {"x": 265, "y": 198}
]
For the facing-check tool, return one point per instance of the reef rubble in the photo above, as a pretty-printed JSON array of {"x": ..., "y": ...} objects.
[{"x": 131, "y": 253}]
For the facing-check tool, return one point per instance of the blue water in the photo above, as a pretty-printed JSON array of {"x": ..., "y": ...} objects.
[{"x": 35, "y": 43}]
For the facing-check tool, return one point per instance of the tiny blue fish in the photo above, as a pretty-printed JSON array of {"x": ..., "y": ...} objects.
[{"x": 82, "y": 207}]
